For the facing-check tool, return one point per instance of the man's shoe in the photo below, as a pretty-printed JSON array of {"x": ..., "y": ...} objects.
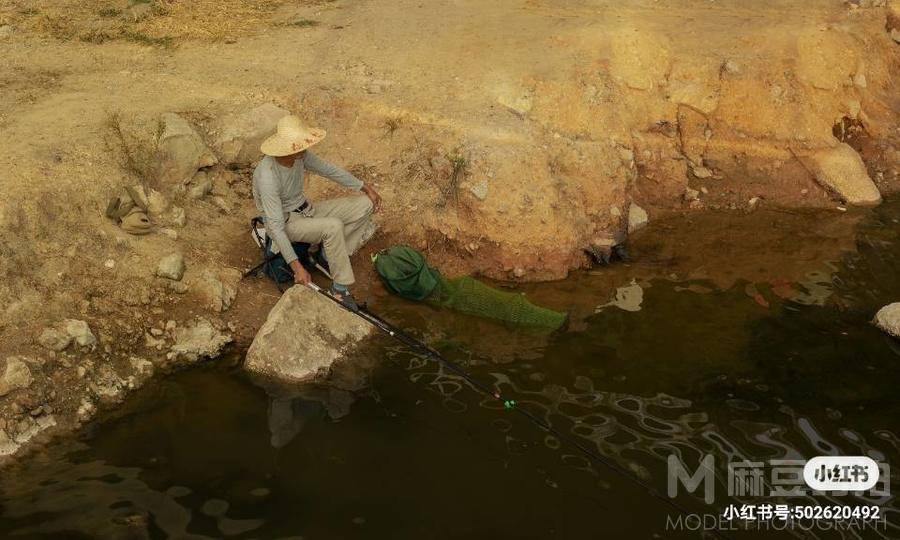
[{"x": 345, "y": 298}]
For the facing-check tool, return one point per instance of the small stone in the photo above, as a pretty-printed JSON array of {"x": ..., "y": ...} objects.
[
  {"x": 691, "y": 194},
  {"x": 178, "y": 287},
  {"x": 15, "y": 375},
  {"x": 110, "y": 264},
  {"x": 219, "y": 289},
  {"x": 479, "y": 190},
  {"x": 704, "y": 190},
  {"x": 732, "y": 67},
  {"x": 519, "y": 272},
  {"x": 895, "y": 35},
  {"x": 170, "y": 233},
  {"x": 637, "y": 218},
  {"x": 202, "y": 340},
  {"x": 170, "y": 325},
  {"x": 141, "y": 366},
  {"x": 171, "y": 267},
  {"x": 201, "y": 186},
  {"x": 157, "y": 203},
  {"x": 86, "y": 410},
  {"x": 80, "y": 332},
  {"x": 156, "y": 332},
  {"x": 178, "y": 216},
  {"x": 222, "y": 204},
  {"x": 753, "y": 202},
  {"x": 54, "y": 339},
  {"x": 702, "y": 172}
]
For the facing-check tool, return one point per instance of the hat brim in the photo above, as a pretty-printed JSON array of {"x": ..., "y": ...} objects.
[{"x": 279, "y": 146}]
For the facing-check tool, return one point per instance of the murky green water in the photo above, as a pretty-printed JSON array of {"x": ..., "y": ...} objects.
[{"x": 747, "y": 338}]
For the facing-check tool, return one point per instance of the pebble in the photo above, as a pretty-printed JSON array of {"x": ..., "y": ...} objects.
[{"x": 110, "y": 263}]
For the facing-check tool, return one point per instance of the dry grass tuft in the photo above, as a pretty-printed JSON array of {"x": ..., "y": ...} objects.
[
  {"x": 212, "y": 20},
  {"x": 169, "y": 21},
  {"x": 450, "y": 190}
]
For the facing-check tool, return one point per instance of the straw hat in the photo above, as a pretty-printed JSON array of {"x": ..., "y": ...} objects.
[{"x": 291, "y": 137}]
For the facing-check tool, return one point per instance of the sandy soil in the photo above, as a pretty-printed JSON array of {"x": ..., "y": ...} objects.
[{"x": 505, "y": 137}]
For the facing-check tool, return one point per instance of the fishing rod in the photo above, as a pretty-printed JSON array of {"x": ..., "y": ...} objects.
[{"x": 508, "y": 404}]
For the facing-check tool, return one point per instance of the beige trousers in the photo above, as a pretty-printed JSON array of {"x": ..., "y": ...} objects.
[{"x": 339, "y": 224}]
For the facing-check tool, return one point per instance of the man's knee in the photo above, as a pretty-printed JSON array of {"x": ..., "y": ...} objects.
[
  {"x": 365, "y": 205},
  {"x": 332, "y": 226}
]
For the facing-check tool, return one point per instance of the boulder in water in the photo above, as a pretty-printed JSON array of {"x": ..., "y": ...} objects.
[
  {"x": 304, "y": 334},
  {"x": 841, "y": 170},
  {"x": 888, "y": 319}
]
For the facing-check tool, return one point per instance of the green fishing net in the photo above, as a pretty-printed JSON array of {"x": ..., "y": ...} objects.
[{"x": 406, "y": 273}]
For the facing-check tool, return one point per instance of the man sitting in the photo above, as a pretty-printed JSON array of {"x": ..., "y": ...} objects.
[{"x": 339, "y": 224}]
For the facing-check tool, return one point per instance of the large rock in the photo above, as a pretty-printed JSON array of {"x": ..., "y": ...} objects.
[
  {"x": 841, "y": 170},
  {"x": 201, "y": 340},
  {"x": 888, "y": 319},
  {"x": 303, "y": 336},
  {"x": 237, "y": 137},
  {"x": 15, "y": 375},
  {"x": 181, "y": 150}
]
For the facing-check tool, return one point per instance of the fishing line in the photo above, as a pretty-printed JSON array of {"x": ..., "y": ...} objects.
[{"x": 508, "y": 404}]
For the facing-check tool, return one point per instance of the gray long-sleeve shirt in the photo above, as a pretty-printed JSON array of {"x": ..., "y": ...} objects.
[{"x": 278, "y": 190}]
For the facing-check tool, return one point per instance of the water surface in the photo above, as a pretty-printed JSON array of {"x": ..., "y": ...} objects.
[{"x": 743, "y": 336}]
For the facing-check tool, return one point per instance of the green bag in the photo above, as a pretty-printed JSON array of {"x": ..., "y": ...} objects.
[{"x": 406, "y": 273}]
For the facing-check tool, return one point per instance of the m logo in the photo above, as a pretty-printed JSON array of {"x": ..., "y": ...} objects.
[{"x": 705, "y": 473}]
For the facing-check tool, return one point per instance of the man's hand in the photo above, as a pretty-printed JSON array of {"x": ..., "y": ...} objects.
[
  {"x": 373, "y": 196},
  {"x": 301, "y": 276}
]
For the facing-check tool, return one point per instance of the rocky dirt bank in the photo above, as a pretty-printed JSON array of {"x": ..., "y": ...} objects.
[{"x": 506, "y": 138}]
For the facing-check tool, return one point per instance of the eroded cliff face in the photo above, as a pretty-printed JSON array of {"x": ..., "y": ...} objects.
[
  {"x": 568, "y": 115},
  {"x": 505, "y": 137}
]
